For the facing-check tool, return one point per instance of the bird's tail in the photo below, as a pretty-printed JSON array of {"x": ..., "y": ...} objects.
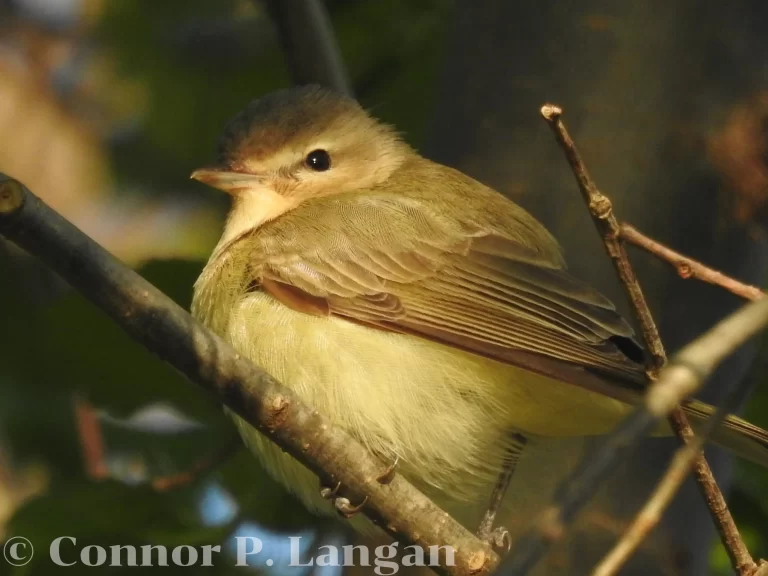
[{"x": 739, "y": 436}]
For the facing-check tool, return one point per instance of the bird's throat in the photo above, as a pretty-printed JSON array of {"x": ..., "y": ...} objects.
[{"x": 251, "y": 208}]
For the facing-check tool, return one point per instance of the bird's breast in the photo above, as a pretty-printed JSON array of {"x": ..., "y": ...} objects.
[
  {"x": 446, "y": 413},
  {"x": 399, "y": 395}
]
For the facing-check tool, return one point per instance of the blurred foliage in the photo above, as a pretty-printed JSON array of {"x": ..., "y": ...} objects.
[
  {"x": 138, "y": 92},
  {"x": 200, "y": 67}
]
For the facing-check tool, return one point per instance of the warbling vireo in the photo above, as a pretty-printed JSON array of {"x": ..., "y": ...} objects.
[{"x": 420, "y": 310}]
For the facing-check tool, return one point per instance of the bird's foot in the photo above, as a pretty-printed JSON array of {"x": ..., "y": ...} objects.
[
  {"x": 345, "y": 508},
  {"x": 388, "y": 475},
  {"x": 328, "y": 493},
  {"x": 499, "y": 539},
  {"x": 342, "y": 505}
]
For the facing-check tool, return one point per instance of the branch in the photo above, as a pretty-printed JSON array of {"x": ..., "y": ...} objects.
[
  {"x": 704, "y": 353},
  {"x": 668, "y": 388},
  {"x": 309, "y": 44},
  {"x": 688, "y": 267},
  {"x": 685, "y": 374},
  {"x": 647, "y": 519},
  {"x": 601, "y": 210},
  {"x": 602, "y": 214},
  {"x": 173, "y": 335}
]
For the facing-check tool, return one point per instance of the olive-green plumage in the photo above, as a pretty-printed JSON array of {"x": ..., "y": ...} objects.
[{"x": 415, "y": 307}]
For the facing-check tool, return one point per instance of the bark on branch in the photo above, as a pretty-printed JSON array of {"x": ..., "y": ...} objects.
[{"x": 158, "y": 323}]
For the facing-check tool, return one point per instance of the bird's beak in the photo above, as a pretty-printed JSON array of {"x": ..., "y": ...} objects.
[{"x": 224, "y": 180}]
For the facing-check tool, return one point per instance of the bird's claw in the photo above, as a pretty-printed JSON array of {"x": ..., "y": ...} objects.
[
  {"x": 328, "y": 493},
  {"x": 388, "y": 474},
  {"x": 499, "y": 539},
  {"x": 343, "y": 505},
  {"x": 345, "y": 508}
]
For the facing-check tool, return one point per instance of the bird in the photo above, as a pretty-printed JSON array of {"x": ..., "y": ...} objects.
[{"x": 420, "y": 310}]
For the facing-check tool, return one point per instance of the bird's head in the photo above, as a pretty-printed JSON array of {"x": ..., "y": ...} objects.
[{"x": 296, "y": 144}]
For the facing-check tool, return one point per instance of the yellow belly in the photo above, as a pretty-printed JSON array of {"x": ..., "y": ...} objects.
[{"x": 446, "y": 413}]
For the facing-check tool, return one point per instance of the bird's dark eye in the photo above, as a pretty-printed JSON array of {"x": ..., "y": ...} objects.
[{"x": 319, "y": 160}]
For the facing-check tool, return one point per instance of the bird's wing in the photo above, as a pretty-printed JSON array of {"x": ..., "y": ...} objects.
[{"x": 390, "y": 262}]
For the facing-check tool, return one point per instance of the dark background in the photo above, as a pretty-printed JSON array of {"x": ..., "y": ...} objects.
[{"x": 107, "y": 107}]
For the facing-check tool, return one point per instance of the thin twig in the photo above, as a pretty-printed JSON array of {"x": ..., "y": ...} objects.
[
  {"x": 584, "y": 481},
  {"x": 652, "y": 511},
  {"x": 198, "y": 469},
  {"x": 716, "y": 345},
  {"x": 688, "y": 267},
  {"x": 575, "y": 491},
  {"x": 602, "y": 214},
  {"x": 601, "y": 210},
  {"x": 154, "y": 320},
  {"x": 91, "y": 439},
  {"x": 95, "y": 449},
  {"x": 685, "y": 374}
]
